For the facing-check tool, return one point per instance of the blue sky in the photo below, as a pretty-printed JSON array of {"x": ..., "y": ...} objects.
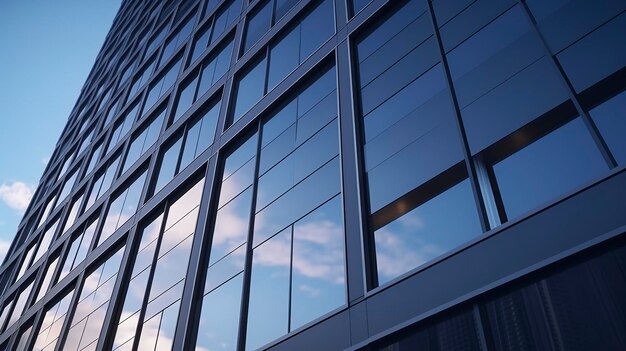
[{"x": 47, "y": 49}]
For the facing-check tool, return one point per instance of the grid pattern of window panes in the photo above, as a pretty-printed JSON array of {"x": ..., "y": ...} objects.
[
  {"x": 156, "y": 287},
  {"x": 454, "y": 117},
  {"x": 296, "y": 196},
  {"x": 93, "y": 302}
]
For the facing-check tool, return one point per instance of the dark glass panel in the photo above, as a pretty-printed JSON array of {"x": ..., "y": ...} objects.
[
  {"x": 610, "y": 117},
  {"x": 250, "y": 89},
  {"x": 186, "y": 98},
  {"x": 258, "y": 24},
  {"x": 558, "y": 163}
]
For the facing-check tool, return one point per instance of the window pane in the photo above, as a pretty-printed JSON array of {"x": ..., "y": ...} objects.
[
  {"x": 318, "y": 268},
  {"x": 51, "y": 324},
  {"x": 258, "y": 24},
  {"x": 169, "y": 162},
  {"x": 250, "y": 89},
  {"x": 492, "y": 64},
  {"x": 426, "y": 232},
  {"x": 269, "y": 291},
  {"x": 610, "y": 117},
  {"x": 86, "y": 323},
  {"x": 549, "y": 167}
]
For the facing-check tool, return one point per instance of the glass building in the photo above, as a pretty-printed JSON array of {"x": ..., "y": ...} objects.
[{"x": 335, "y": 175}]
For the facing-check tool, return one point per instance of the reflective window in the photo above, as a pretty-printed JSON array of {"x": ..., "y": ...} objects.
[
  {"x": 103, "y": 181},
  {"x": 289, "y": 50},
  {"x": 123, "y": 206},
  {"x": 426, "y": 232},
  {"x": 122, "y": 128},
  {"x": 358, "y": 5},
  {"x": 610, "y": 117},
  {"x": 264, "y": 17},
  {"x": 212, "y": 69},
  {"x": 250, "y": 88},
  {"x": 144, "y": 140},
  {"x": 300, "y": 42},
  {"x": 73, "y": 213},
  {"x": 52, "y": 322},
  {"x": 585, "y": 37},
  {"x": 258, "y": 23},
  {"x": 555, "y": 164},
  {"x": 20, "y": 343},
  {"x": 18, "y": 307},
  {"x": 28, "y": 256},
  {"x": 162, "y": 85},
  {"x": 93, "y": 302},
  {"x": 198, "y": 135},
  {"x": 177, "y": 39},
  {"x": 79, "y": 247},
  {"x": 223, "y": 19},
  {"x": 298, "y": 240},
  {"x": 141, "y": 79},
  {"x": 160, "y": 301},
  {"x": 494, "y": 55},
  {"x": 412, "y": 148},
  {"x": 46, "y": 240},
  {"x": 48, "y": 278}
]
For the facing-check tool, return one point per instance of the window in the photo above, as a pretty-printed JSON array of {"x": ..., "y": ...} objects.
[
  {"x": 46, "y": 240},
  {"x": 86, "y": 323},
  {"x": 103, "y": 181},
  {"x": 48, "y": 278},
  {"x": 412, "y": 150},
  {"x": 28, "y": 256},
  {"x": 580, "y": 34},
  {"x": 79, "y": 247},
  {"x": 18, "y": 307},
  {"x": 197, "y": 136},
  {"x": 212, "y": 70},
  {"x": 52, "y": 322},
  {"x": 122, "y": 128},
  {"x": 610, "y": 117},
  {"x": 543, "y": 170},
  {"x": 493, "y": 55},
  {"x": 289, "y": 51},
  {"x": 160, "y": 300},
  {"x": 266, "y": 15},
  {"x": 141, "y": 79},
  {"x": 123, "y": 206},
  {"x": 222, "y": 20},
  {"x": 20, "y": 344},
  {"x": 178, "y": 39},
  {"x": 73, "y": 213},
  {"x": 358, "y": 5},
  {"x": 297, "y": 198},
  {"x": 144, "y": 140},
  {"x": 162, "y": 85}
]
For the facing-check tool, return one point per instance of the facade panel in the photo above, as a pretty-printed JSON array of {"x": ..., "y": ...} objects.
[{"x": 335, "y": 174}]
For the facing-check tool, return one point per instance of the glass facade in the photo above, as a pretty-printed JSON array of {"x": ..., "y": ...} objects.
[{"x": 335, "y": 174}]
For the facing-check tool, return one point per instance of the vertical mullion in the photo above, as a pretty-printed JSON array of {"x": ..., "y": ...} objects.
[
  {"x": 589, "y": 123},
  {"x": 146, "y": 297},
  {"x": 188, "y": 316},
  {"x": 247, "y": 272},
  {"x": 352, "y": 180},
  {"x": 471, "y": 167}
]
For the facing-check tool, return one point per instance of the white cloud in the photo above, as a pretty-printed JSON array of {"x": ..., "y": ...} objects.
[{"x": 16, "y": 195}]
